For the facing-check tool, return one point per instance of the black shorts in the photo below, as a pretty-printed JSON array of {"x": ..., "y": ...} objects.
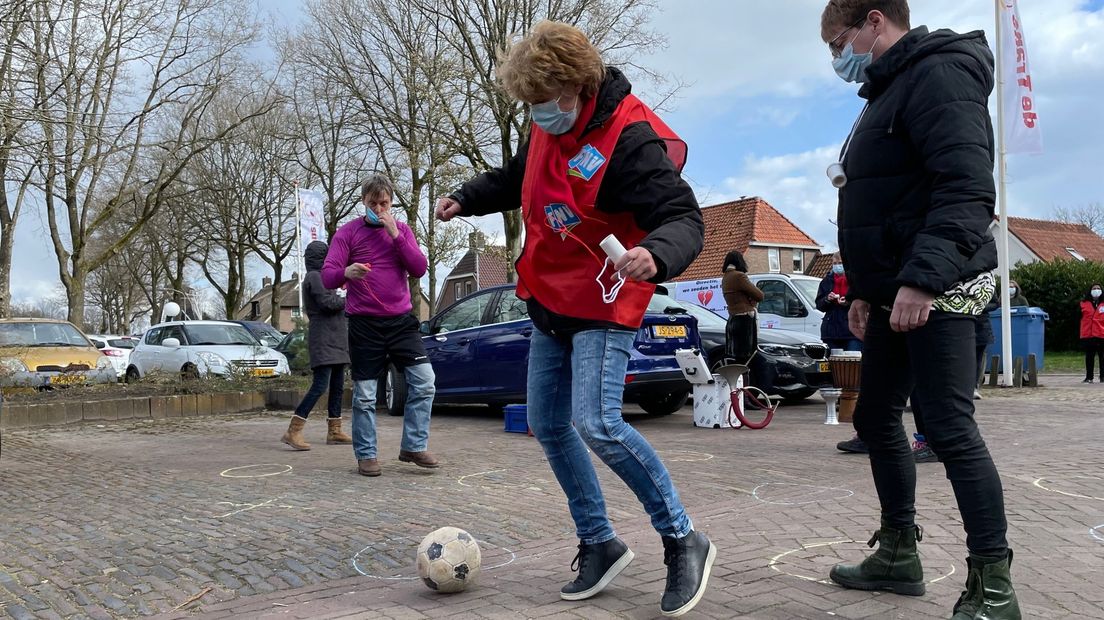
[{"x": 376, "y": 341}]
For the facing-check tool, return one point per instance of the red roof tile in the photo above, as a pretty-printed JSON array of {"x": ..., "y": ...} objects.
[
  {"x": 821, "y": 265},
  {"x": 1049, "y": 240},
  {"x": 735, "y": 226}
]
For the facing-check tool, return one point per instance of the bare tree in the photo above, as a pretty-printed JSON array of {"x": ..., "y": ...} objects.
[
  {"x": 19, "y": 152},
  {"x": 489, "y": 127},
  {"x": 1091, "y": 215},
  {"x": 381, "y": 54},
  {"x": 117, "y": 81}
]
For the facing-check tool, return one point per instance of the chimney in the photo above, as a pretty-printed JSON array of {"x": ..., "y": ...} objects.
[
  {"x": 266, "y": 282},
  {"x": 477, "y": 241}
]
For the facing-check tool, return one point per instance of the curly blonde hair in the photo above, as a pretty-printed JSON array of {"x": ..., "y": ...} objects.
[{"x": 552, "y": 56}]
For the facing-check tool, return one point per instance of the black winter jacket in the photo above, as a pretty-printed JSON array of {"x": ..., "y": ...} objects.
[
  {"x": 834, "y": 325},
  {"x": 327, "y": 332},
  {"x": 920, "y": 193}
]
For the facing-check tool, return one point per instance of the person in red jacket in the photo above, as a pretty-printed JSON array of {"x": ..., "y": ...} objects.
[
  {"x": 1092, "y": 331},
  {"x": 598, "y": 162}
]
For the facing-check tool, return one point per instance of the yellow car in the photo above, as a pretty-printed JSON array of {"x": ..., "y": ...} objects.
[{"x": 40, "y": 353}]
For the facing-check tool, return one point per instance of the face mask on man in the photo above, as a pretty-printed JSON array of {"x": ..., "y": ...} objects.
[
  {"x": 372, "y": 218},
  {"x": 549, "y": 117},
  {"x": 837, "y": 269},
  {"x": 1095, "y": 293},
  {"x": 851, "y": 67}
]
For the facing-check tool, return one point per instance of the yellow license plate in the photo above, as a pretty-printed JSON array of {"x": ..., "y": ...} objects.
[
  {"x": 824, "y": 367},
  {"x": 66, "y": 379},
  {"x": 669, "y": 331},
  {"x": 263, "y": 372}
]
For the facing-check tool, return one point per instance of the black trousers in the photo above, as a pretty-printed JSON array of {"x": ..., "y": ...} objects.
[
  {"x": 327, "y": 378},
  {"x": 937, "y": 365},
  {"x": 741, "y": 338},
  {"x": 1094, "y": 347}
]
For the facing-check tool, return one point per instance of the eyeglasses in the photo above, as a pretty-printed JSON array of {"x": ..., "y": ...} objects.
[{"x": 834, "y": 46}]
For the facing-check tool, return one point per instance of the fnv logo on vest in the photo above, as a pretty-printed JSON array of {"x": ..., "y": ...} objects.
[
  {"x": 586, "y": 164},
  {"x": 561, "y": 218}
]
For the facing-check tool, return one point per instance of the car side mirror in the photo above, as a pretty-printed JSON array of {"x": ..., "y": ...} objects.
[
  {"x": 423, "y": 327},
  {"x": 171, "y": 343}
]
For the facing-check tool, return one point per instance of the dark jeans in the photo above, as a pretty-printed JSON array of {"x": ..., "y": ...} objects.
[
  {"x": 1094, "y": 347},
  {"x": 938, "y": 360},
  {"x": 329, "y": 378}
]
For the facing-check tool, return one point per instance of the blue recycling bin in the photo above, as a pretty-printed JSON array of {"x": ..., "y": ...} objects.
[{"x": 1028, "y": 331}]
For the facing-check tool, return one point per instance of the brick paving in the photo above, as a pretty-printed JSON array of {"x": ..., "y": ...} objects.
[{"x": 213, "y": 518}]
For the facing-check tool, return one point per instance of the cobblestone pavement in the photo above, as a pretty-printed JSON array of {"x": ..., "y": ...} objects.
[{"x": 214, "y": 518}]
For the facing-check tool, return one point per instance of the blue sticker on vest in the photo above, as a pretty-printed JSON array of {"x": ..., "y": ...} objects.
[
  {"x": 561, "y": 218},
  {"x": 586, "y": 164}
]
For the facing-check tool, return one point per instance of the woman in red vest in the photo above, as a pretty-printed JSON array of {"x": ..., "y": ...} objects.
[
  {"x": 598, "y": 162},
  {"x": 1092, "y": 331}
]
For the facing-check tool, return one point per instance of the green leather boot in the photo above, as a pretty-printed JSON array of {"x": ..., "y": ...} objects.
[
  {"x": 895, "y": 566},
  {"x": 989, "y": 594}
]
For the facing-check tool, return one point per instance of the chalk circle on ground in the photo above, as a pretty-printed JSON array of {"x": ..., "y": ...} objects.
[
  {"x": 794, "y": 494},
  {"x": 256, "y": 471},
  {"x": 1043, "y": 483},
  {"x": 781, "y": 564},
  {"x": 508, "y": 554},
  {"x": 1097, "y": 532},
  {"x": 683, "y": 456}
]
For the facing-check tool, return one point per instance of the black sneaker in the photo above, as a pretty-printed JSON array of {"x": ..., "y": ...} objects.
[
  {"x": 689, "y": 560},
  {"x": 597, "y": 565},
  {"x": 922, "y": 452},
  {"x": 854, "y": 444},
  {"x": 1088, "y": 380}
]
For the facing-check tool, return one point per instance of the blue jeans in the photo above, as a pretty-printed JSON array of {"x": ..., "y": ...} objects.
[
  {"x": 419, "y": 406},
  {"x": 327, "y": 378},
  {"x": 583, "y": 383}
]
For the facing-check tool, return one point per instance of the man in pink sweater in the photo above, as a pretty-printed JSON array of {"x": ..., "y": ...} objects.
[{"x": 373, "y": 256}]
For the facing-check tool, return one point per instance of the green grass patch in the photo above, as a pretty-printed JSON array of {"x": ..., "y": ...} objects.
[{"x": 1065, "y": 361}]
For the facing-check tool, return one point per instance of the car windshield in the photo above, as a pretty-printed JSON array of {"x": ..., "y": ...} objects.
[
  {"x": 40, "y": 335},
  {"x": 267, "y": 334},
  {"x": 807, "y": 288},
  {"x": 123, "y": 343},
  {"x": 707, "y": 319},
  {"x": 219, "y": 335}
]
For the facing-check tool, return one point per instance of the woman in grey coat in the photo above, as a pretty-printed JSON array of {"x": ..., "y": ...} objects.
[{"x": 328, "y": 345}]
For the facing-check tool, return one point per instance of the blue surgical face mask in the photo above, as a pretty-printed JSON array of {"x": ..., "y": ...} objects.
[
  {"x": 837, "y": 269},
  {"x": 1095, "y": 293},
  {"x": 372, "y": 218},
  {"x": 549, "y": 117},
  {"x": 851, "y": 67},
  {"x": 1012, "y": 291}
]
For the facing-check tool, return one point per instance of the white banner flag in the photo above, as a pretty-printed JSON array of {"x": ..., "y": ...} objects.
[
  {"x": 1021, "y": 119},
  {"x": 311, "y": 222}
]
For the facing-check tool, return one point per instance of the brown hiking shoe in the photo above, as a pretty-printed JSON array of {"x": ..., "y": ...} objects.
[
  {"x": 368, "y": 467},
  {"x": 294, "y": 435},
  {"x": 335, "y": 435},
  {"x": 421, "y": 459}
]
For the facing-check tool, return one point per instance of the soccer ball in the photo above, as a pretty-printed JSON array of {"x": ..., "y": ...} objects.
[{"x": 448, "y": 560}]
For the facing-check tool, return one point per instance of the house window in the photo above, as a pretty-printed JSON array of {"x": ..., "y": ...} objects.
[
  {"x": 1074, "y": 254},
  {"x": 468, "y": 287},
  {"x": 254, "y": 310},
  {"x": 773, "y": 260},
  {"x": 798, "y": 261},
  {"x": 295, "y": 313},
  {"x": 459, "y": 292}
]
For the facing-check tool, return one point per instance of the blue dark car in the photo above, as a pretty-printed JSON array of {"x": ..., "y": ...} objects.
[{"x": 479, "y": 348}]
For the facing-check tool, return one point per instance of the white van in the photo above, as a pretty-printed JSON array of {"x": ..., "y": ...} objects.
[{"x": 789, "y": 300}]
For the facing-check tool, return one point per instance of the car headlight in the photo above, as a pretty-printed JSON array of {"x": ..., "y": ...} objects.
[
  {"x": 103, "y": 363},
  {"x": 12, "y": 365},
  {"x": 213, "y": 360},
  {"x": 781, "y": 350}
]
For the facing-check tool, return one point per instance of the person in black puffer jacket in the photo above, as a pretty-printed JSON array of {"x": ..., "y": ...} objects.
[{"x": 914, "y": 211}]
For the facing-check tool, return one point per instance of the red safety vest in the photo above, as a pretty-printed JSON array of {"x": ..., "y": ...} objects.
[{"x": 562, "y": 260}]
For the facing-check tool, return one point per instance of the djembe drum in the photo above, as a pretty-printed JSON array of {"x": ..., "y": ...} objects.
[{"x": 846, "y": 374}]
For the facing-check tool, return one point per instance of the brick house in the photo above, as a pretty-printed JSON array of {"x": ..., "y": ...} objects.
[
  {"x": 1032, "y": 241},
  {"x": 481, "y": 267},
  {"x": 770, "y": 242}
]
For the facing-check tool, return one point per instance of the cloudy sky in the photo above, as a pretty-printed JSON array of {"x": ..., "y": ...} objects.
[{"x": 764, "y": 114}]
